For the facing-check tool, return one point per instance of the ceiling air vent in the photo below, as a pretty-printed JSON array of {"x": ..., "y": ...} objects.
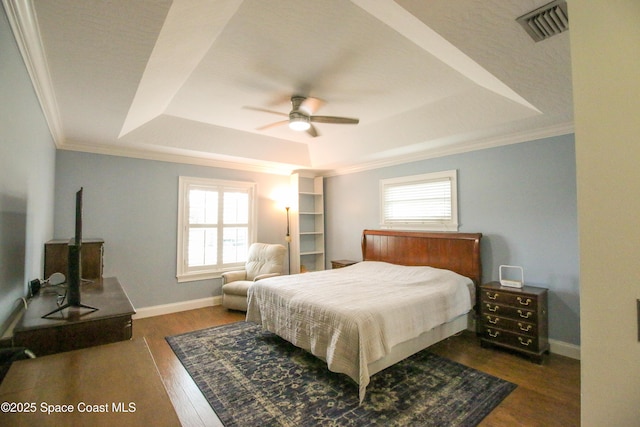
[{"x": 546, "y": 21}]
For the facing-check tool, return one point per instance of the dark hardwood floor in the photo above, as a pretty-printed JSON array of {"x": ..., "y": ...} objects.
[{"x": 547, "y": 394}]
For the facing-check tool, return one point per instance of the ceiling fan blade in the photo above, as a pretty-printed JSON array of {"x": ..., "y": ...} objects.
[
  {"x": 264, "y": 110},
  {"x": 273, "y": 125},
  {"x": 311, "y": 105},
  {"x": 312, "y": 131},
  {"x": 337, "y": 120},
  {"x": 283, "y": 100}
]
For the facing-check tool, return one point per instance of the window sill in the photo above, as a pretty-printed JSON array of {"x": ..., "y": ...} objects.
[
  {"x": 424, "y": 227},
  {"x": 204, "y": 275},
  {"x": 193, "y": 277}
]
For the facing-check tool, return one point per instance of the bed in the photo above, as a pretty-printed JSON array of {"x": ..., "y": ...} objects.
[{"x": 412, "y": 290}]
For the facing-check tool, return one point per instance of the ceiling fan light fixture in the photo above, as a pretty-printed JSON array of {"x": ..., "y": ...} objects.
[
  {"x": 302, "y": 115},
  {"x": 299, "y": 122}
]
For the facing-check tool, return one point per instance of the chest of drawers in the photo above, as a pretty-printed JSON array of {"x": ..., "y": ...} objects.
[{"x": 514, "y": 318}]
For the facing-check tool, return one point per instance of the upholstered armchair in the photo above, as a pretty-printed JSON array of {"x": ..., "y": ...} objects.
[{"x": 264, "y": 260}]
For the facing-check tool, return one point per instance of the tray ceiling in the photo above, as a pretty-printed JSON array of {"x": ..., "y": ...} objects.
[{"x": 170, "y": 80}]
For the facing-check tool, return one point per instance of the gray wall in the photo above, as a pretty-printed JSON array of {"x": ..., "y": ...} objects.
[
  {"x": 27, "y": 160},
  {"x": 133, "y": 205},
  {"x": 522, "y": 198}
]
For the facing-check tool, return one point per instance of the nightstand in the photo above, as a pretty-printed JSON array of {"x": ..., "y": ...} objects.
[
  {"x": 342, "y": 263},
  {"x": 514, "y": 318}
]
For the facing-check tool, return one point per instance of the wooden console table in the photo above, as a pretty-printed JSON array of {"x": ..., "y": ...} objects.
[
  {"x": 74, "y": 328},
  {"x": 109, "y": 385}
]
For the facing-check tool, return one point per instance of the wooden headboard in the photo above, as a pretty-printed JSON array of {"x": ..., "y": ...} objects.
[{"x": 459, "y": 252}]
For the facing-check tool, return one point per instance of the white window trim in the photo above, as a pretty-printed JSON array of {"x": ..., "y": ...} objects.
[
  {"x": 183, "y": 274},
  {"x": 451, "y": 225}
]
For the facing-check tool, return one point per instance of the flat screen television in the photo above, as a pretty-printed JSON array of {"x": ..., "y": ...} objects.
[{"x": 74, "y": 268}]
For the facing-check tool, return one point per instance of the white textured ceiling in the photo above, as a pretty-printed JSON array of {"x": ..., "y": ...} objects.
[{"x": 169, "y": 79}]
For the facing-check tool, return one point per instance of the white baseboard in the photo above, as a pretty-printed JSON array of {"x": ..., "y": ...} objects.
[
  {"x": 158, "y": 310},
  {"x": 565, "y": 349}
]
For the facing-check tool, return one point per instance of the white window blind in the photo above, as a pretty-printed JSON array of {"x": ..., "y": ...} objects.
[
  {"x": 216, "y": 225},
  {"x": 427, "y": 201}
]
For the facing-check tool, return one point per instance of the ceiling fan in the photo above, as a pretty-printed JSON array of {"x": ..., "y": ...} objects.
[{"x": 301, "y": 116}]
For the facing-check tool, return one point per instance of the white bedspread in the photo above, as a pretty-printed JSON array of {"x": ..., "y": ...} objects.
[{"x": 354, "y": 315}]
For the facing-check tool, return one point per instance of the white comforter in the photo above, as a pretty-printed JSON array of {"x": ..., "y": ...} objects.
[{"x": 353, "y": 316}]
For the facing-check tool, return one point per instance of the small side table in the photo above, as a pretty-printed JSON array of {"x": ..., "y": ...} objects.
[
  {"x": 342, "y": 263},
  {"x": 515, "y": 318}
]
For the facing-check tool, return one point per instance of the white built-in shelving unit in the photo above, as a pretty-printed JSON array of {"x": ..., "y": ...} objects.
[{"x": 307, "y": 223}]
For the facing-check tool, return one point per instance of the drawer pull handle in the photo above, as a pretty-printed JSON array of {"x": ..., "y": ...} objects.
[
  {"x": 522, "y": 328},
  {"x": 525, "y": 315},
  {"x": 494, "y": 296},
  {"x": 525, "y": 302},
  {"x": 523, "y": 342},
  {"x": 493, "y": 334},
  {"x": 492, "y": 309},
  {"x": 493, "y": 320}
]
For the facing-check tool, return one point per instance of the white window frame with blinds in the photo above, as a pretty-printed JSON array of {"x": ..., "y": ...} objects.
[
  {"x": 420, "y": 202},
  {"x": 214, "y": 221}
]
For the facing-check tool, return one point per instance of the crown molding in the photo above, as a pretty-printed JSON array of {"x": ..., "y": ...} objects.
[
  {"x": 286, "y": 169},
  {"x": 196, "y": 159},
  {"x": 23, "y": 20},
  {"x": 467, "y": 146}
]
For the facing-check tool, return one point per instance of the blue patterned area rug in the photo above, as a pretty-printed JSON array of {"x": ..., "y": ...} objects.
[{"x": 255, "y": 378}]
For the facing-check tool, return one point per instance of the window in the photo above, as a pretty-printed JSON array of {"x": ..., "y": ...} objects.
[
  {"x": 216, "y": 225},
  {"x": 426, "y": 202}
]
